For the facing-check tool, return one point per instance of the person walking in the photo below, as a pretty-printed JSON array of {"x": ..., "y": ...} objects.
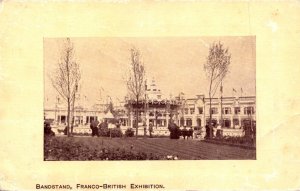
[
  {"x": 191, "y": 133},
  {"x": 145, "y": 129},
  {"x": 184, "y": 132},
  {"x": 150, "y": 129},
  {"x": 219, "y": 131},
  {"x": 94, "y": 127},
  {"x": 207, "y": 131}
]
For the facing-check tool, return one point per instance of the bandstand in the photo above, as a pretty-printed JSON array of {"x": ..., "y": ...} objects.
[
  {"x": 157, "y": 112},
  {"x": 153, "y": 108}
]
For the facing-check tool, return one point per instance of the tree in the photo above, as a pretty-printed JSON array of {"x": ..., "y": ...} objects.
[
  {"x": 182, "y": 107},
  {"x": 216, "y": 68},
  {"x": 110, "y": 108},
  {"x": 135, "y": 82},
  {"x": 66, "y": 77}
]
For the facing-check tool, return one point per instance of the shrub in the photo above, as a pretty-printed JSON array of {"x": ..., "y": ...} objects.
[
  {"x": 104, "y": 132},
  {"x": 116, "y": 132},
  {"x": 129, "y": 132},
  {"x": 68, "y": 149},
  {"x": 174, "y": 132}
]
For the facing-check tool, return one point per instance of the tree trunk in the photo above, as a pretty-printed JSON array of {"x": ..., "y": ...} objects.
[
  {"x": 73, "y": 117},
  {"x": 210, "y": 112},
  {"x": 68, "y": 118},
  {"x": 136, "y": 117},
  {"x": 210, "y": 119}
]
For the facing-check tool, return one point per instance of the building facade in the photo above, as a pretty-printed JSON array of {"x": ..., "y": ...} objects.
[
  {"x": 230, "y": 112},
  {"x": 82, "y": 116}
]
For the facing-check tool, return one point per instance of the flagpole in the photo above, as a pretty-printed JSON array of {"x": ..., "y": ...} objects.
[{"x": 233, "y": 90}]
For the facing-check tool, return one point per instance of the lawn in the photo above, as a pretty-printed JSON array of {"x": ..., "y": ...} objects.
[{"x": 100, "y": 148}]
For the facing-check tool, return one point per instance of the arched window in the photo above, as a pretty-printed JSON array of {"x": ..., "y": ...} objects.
[
  {"x": 199, "y": 122},
  {"x": 181, "y": 121},
  {"x": 189, "y": 122}
]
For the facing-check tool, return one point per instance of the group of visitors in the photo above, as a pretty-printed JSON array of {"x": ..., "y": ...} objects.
[
  {"x": 213, "y": 132},
  {"x": 96, "y": 127},
  {"x": 176, "y": 132},
  {"x": 186, "y": 133},
  {"x": 150, "y": 129},
  {"x": 249, "y": 131}
]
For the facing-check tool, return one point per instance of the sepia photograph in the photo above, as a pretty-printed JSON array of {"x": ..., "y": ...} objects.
[
  {"x": 149, "y": 95},
  {"x": 150, "y": 98}
]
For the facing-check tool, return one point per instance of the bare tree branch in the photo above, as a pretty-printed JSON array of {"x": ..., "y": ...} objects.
[
  {"x": 136, "y": 79},
  {"x": 216, "y": 68},
  {"x": 65, "y": 79}
]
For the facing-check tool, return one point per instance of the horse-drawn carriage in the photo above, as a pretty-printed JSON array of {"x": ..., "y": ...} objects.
[{"x": 187, "y": 133}]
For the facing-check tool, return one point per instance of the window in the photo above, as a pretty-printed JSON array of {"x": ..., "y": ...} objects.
[
  {"x": 227, "y": 123},
  {"x": 181, "y": 121},
  {"x": 226, "y": 110},
  {"x": 214, "y": 110},
  {"x": 200, "y": 109},
  {"x": 248, "y": 110},
  {"x": 63, "y": 119},
  {"x": 198, "y": 122},
  {"x": 213, "y": 122},
  {"x": 91, "y": 119},
  {"x": 236, "y": 122},
  {"x": 237, "y": 110},
  {"x": 186, "y": 110},
  {"x": 158, "y": 96},
  {"x": 189, "y": 122},
  {"x": 192, "y": 110}
]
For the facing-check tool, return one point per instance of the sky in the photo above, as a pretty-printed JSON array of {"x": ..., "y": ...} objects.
[{"x": 176, "y": 64}]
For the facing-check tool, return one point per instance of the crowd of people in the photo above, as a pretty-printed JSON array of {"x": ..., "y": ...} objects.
[{"x": 216, "y": 131}]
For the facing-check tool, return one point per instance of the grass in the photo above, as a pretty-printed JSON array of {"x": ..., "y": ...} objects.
[{"x": 93, "y": 148}]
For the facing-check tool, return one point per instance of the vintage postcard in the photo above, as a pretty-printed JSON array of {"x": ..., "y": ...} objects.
[
  {"x": 163, "y": 98},
  {"x": 149, "y": 95}
]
